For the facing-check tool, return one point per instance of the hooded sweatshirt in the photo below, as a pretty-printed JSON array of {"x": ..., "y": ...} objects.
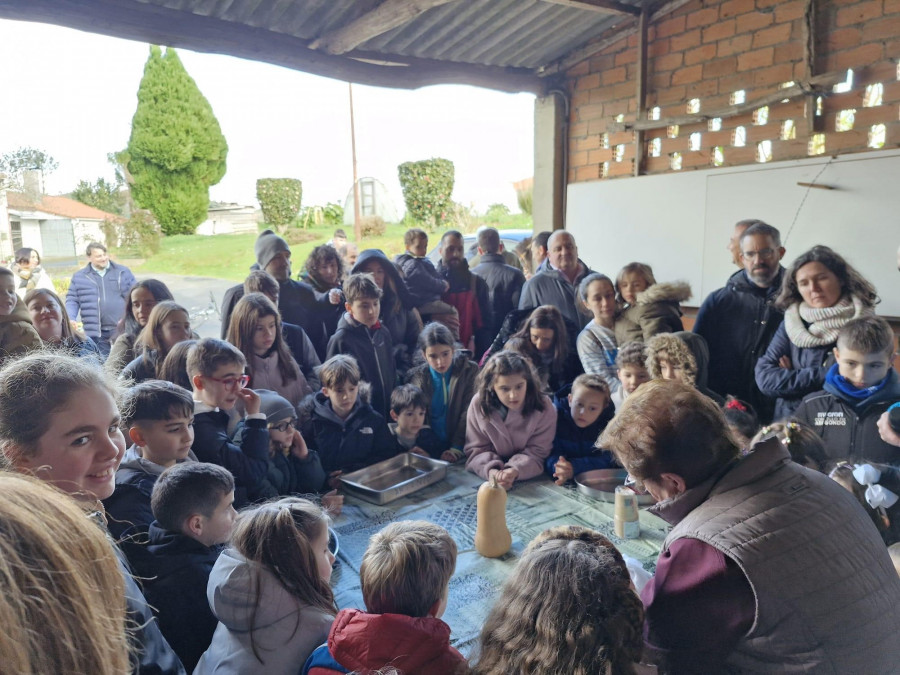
[
  {"x": 17, "y": 333},
  {"x": 363, "y": 642},
  {"x": 248, "y": 600}
]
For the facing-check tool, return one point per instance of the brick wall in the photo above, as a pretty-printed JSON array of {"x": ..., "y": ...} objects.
[{"x": 710, "y": 49}]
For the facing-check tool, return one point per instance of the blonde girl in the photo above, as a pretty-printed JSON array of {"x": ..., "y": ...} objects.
[
  {"x": 270, "y": 591},
  {"x": 647, "y": 307},
  {"x": 510, "y": 424},
  {"x": 167, "y": 325},
  {"x": 255, "y": 329}
]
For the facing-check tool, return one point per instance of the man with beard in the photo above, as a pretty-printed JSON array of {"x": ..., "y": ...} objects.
[
  {"x": 468, "y": 293},
  {"x": 738, "y": 321}
]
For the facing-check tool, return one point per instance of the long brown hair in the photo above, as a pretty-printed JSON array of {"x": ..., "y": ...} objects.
[
  {"x": 568, "y": 607},
  {"x": 65, "y": 323},
  {"x": 150, "y": 337},
  {"x": 852, "y": 282},
  {"x": 550, "y": 318},
  {"x": 248, "y": 312},
  {"x": 508, "y": 363}
]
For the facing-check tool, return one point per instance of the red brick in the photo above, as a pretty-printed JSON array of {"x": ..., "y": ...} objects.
[
  {"x": 600, "y": 155},
  {"x": 702, "y": 89},
  {"x": 857, "y": 138},
  {"x": 841, "y": 38},
  {"x": 855, "y": 58},
  {"x": 759, "y": 58},
  {"x": 789, "y": 11},
  {"x": 753, "y": 21},
  {"x": 660, "y": 80},
  {"x": 625, "y": 57},
  {"x": 882, "y": 114},
  {"x": 792, "y": 51},
  {"x": 585, "y": 173},
  {"x": 719, "y": 31},
  {"x": 670, "y": 26},
  {"x": 625, "y": 168},
  {"x": 598, "y": 126},
  {"x": 735, "y": 45},
  {"x": 762, "y": 4},
  {"x": 668, "y": 62},
  {"x": 614, "y": 76},
  {"x": 772, "y": 36},
  {"x": 882, "y": 28},
  {"x": 687, "y": 75},
  {"x": 672, "y": 94},
  {"x": 858, "y": 13},
  {"x": 621, "y": 138},
  {"x": 734, "y": 7},
  {"x": 891, "y": 6},
  {"x": 577, "y": 129},
  {"x": 602, "y": 62},
  {"x": 578, "y": 69},
  {"x": 877, "y": 72},
  {"x": 590, "y": 112},
  {"x": 656, "y": 165},
  {"x": 658, "y": 48},
  {"x": 701, "y": 54},
  {"x": 587, "y": 143},
  {"x": 702, "y": 17},
  {"x": 685, "y": 40},
  {"x": 719, "y": 67},
  {"x": 763, "y": 132},
  {"x": 632, "y": 41},
  {"x": 693, "y": 160},
  {"x": 670, "y": 145},
  {"x": 591, "y": 81},
  {"x": 737, "y": 156},
  {"x": 771, "y": 78},
  {"x": 578, "y": 158},
  {"x": 792, "y": 149}
]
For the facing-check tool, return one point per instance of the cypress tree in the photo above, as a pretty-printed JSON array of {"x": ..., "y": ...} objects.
[{"x": 176, "y": 150}]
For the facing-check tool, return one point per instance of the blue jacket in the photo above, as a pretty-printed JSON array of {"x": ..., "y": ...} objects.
[
  {"x": 424, "y": 282},
  {"x": 99, "y": 300},
  {"x": 807, "y": 373},
  {"x": 577, "y": 444},
  {"x": 738, "y": 322}
]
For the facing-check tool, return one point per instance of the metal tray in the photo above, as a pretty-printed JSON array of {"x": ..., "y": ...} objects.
[
  {"x": 601, "y": 484},
  {"x": 394, "y": 478}
]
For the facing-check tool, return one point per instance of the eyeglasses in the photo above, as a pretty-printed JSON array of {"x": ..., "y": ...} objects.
[
  {"x": 635, "y": 484},
  {"x": 283, "y": 427},
  {"x": 231, "y": 382},
  {"x": 764, "y": 254}
]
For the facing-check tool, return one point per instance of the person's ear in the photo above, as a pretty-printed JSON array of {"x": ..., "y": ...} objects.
[
  {"x": 197, "y": 382},
  {"x": 675, "y": 484},
  {"x": 194, "y": 525},
  {"x": 569, "y": 398},
  {"x": 837, "y": 354},
  {"x": 781, "y": 252},
  {"x": 325, "y": 391},
  {"x": 394, "y": 415},
  {"x": 134, "y": 433},
  {"x": 347, "y": 306}
]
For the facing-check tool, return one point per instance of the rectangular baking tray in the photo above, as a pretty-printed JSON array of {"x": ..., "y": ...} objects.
[
  {"x": 601, "y": 484},
  {"x": 394, "y": 478}
]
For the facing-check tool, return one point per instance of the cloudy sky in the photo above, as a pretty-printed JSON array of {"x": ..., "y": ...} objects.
[{"x": 73, "y": 94}]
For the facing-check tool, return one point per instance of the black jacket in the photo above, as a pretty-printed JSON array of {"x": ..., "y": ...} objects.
[
  {"x": 345, "y": 445},
  {"x": 176, "y": 576},
  {"x": 373, "y": 350},
  {"x": 738, "y": 322},
  {"x": 304, "y": 353},
  {"x": 504, "y": 286}
]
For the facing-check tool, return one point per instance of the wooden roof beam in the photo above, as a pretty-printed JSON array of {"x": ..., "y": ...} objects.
[
  {"x": 604, "y": 6},
  {"x": 388, "y": 15}
]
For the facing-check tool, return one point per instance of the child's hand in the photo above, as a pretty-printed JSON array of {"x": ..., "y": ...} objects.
[
  {"x": 298, "y": 446},
  {"x": 334, "y": 296},
  {"x": 251, "y": 400},
  {"x": 334, "y": 479},
  {"x": 333, "y": 502},
  {"x": 785, "y": 362},
  {"x": 505, "y": 477},
  {"x": 452, "y": 455},
  {"x": 888, "y": 435},
  {"x": 419, "y": 451},
  {"x": 563, "y": 471}
]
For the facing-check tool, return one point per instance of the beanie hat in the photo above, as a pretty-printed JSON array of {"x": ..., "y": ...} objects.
[
  {"x": 274, "y": 406},
  {"x": 267, "y": 246}
]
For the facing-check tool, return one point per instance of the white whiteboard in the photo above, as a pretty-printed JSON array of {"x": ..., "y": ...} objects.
[{"x": 680, "y": 223}]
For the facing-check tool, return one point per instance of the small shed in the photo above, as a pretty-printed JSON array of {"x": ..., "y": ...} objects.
[
  {"x": 230, "y": 219},
  {"x": 374, "y": 200}
]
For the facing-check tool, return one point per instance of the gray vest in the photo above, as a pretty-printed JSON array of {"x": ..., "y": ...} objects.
[{"x": 827, "y": 595}]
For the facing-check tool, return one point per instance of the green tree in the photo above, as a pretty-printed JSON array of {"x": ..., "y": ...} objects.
[
  {"x": 176, "y": 150},
  {"x": 102, "y": 194},
  {"x": 14, "y": 163},
  {"x": 427, "y": 186}
]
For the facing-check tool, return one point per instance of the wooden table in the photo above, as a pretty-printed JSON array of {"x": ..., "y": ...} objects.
[{"x": 532, "y": 507}]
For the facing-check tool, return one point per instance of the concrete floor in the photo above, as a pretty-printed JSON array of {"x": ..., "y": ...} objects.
[{"x": 194, "y": 294}]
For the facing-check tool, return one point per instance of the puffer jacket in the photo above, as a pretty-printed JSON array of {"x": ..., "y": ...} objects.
[
  {"x": 422, "y": 279},
  {"x": 578, "y": 444},
  {"x": 655, "y": 310},
  {"x": 100, "y": 300}
]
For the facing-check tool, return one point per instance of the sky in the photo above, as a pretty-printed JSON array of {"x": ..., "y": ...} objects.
[{"x": 73, "y": 94}]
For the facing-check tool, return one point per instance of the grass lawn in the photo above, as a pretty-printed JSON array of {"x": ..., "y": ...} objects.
[{"x": 230, "y": 256}]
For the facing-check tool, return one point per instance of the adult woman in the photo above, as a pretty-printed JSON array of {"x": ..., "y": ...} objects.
[
  {"x": 29, "y": 273},
  {"x": 51, "y": 320},
  {"x": 768, "y": 562},
  {"x": 324, "y": 270},
  {"x": 596, "y": 344},
  {"x": 820, "y": 293},
  {"x": 397, "y": 312},
  {"x": 142, "y": 298}
]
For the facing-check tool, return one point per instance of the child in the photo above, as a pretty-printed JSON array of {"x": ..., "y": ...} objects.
[
  {"x": 424, "y": 282},
  {"x": 159, "y": 421},
  {"x": 582, "y": 414},
  {"x": 17, "y": 333},
  {"x": 447, "y": 380},
  {"x": 345, "y": 429},
  {"x": 142, "y": 298},
  {"x": 858, "y": 389},
  {"x": 408, "y": 406},
  {"x": 255, "y": 329},
  {"x": 361, "y": 335},
  {"x": 405, "y": 575},
  {"x": 597, "y": 347},
  {"x": 270, "y": 590},
  {"x": 174, "y": 366},
  {"x": 510, "y": 424},
  {"x": 876, "y": 487},
  {"x": 568, "y": 607},
  {"x": 649, "y": 308},
  {"x": 168, "y": 325},
  {"x": 216, "y": 369},
  {"x": 802, "y": 443},
  {"x": 193, "y": 506},
  {"x": 557, "y": 364},
  {"x": 683, "y": 357},
  {"x": 742, "y": 420},
  {"x": 631, "y": 369},
  {"x": 59, "y": 420}
]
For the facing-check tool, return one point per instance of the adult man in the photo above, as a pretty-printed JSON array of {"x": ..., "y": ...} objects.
[
  {"x": 298, "y": 303},
  {"x": 734, "y": 244},
  {"x": 557, "y": 283},
  {"x": 98, "y": 292},
  {"x": 769, "y": 566},
  {"x": 739, "y": 320},
  {"x": 468, "y": 293},
  {"x": 504, "y": 282},
  {"x": 539, "y": 251}
]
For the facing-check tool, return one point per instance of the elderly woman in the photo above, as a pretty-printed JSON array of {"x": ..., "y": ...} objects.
[
  {"x": 51, "y": 320},
  {"x": 769, "y": 565},
  {"x": 820, "y": 293}
]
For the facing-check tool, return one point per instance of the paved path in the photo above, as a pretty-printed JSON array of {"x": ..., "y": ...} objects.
[{"x": 193, "y": 293}]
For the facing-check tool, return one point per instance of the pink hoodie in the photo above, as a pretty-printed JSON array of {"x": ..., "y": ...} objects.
[{"x": 522, "y": 443}]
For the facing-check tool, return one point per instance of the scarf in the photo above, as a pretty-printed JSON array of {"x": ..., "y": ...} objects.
[
  {"x": 818, "y": 326},
  {"x": 841, "y": 384}
]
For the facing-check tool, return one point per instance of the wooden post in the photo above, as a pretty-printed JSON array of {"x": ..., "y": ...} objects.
[
  {"x": 641, "y": 94},
  {"x": 357, "y": 220}
]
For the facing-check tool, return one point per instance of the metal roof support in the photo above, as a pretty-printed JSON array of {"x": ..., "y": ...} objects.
[{"x": 604, "y": 6}]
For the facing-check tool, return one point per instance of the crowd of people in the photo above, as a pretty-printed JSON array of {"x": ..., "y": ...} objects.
[{"x": 172, "y": 494}]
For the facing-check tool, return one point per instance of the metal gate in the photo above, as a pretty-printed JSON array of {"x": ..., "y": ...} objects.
[{"x": 57, "y": 238}]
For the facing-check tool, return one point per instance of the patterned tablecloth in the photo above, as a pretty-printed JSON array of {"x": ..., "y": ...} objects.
[{"x": 532, "y": 507}]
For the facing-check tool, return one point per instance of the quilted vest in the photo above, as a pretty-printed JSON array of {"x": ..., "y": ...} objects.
[{"x": 827, "y": 595}]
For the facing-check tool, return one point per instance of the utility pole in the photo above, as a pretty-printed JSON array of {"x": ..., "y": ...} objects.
[{"x": 357, "y": 220}]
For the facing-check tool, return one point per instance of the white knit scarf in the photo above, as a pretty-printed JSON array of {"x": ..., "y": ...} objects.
[{"x": 824, "y": 322}]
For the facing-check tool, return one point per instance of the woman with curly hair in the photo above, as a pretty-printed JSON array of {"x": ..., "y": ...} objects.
[
  {"x": 820, "y": 293},
  {"x": 568, "y": 607}
]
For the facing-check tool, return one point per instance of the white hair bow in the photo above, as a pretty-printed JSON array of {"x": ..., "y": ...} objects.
[{"x": 877, "y": 496}]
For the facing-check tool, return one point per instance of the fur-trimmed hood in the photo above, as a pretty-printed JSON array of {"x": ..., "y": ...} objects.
[{"x": 669, "y": 291}]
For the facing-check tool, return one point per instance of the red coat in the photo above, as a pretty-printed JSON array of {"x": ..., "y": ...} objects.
[{"x": 363, "y": 642}]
